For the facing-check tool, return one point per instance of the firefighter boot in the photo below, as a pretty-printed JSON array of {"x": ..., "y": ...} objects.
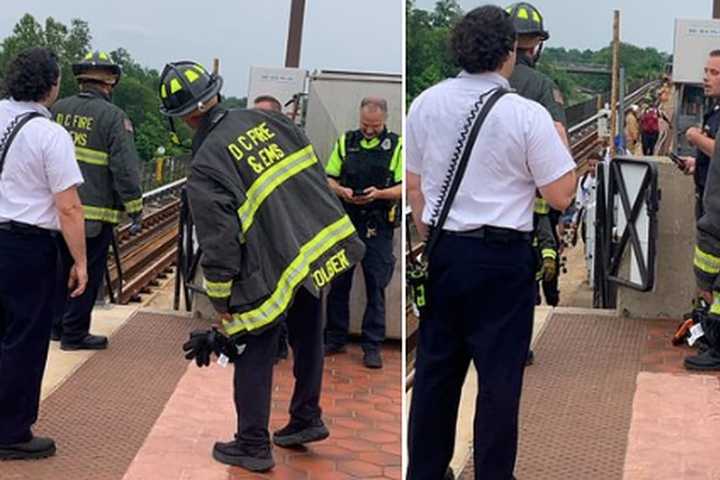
[
  {"x": 298, "y": 433},
  {"x": 706, "y": 360},
  {"x": 255, "y": 459}
]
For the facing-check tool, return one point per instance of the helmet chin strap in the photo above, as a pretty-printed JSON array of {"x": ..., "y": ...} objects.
[
  {"x": 537, "y": 52},
  {"x": 173, "y": 133}
]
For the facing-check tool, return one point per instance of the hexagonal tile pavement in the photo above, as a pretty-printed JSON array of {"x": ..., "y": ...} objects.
[{"x": 361, "y": 407}]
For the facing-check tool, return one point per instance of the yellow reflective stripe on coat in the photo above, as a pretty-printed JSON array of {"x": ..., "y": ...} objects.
[
  {"x": 293, "y": 275},
  {"x": 134, "y": 206},
  {"x": 101, "y": 214},
  {"x": 715, "y": 307},
  {"x": 707, "y": 263},
  {"x": 93, "y": 157},
  {"x": 341, "y": 144},
  {"x": 218, "y": 289},
  {"x": 549, "y": 253},
  {"x": 270, "y": 180},
  {"x": 541, "y": 206}
]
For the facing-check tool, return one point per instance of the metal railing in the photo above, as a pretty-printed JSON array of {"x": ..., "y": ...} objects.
[
  {"x": 581, "y": 112},
  {"x": 163, "y": 170}
]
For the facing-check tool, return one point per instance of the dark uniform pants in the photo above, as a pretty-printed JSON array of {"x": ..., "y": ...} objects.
[
  {"x": 648, "y": 142},
  {"x": 699, "y": 209},
  {"x": 254, "y": 369},
  {"x": 481, "y": 302},
  {"x": 377, "y": 265},
  {"x": 27, "y": 283},
  {"x": 72, "y": 317}
]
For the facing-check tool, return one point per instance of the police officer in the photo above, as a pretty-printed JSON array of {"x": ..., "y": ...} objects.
[
  {"x": 273, "y": 236},
  {"x": 365, "y": 171},
  {"x": 481, "y": 273},
  {"x": 704, "y": 138},
  {"x": 38, "y": 199},
  {"x": 103, "y": 137},
  {"x": 535, "y": 85}
]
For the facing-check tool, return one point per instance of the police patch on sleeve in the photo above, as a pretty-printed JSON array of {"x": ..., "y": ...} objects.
[
  {"x": 128, "y": 125},
  {"x": 558, "y": 96}
]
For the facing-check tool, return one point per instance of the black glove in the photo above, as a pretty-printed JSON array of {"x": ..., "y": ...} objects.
[
  {"x": 203, "y": 343},
  {"x": 225, "y": 345},
  {"x": 199, "y": 347},
  {"x": 136, "y": 223}
]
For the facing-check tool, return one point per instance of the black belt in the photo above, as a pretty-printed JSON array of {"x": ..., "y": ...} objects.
[
  {"x": 26, "y": 229},
  {"x": 494, "y": 234}
]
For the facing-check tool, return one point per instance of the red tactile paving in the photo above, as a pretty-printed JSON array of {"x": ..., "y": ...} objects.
[
  {"x": 668, "y": 432},
  {"x": 101, "y": 415},
  {"x": 577, "y": 399},
  {"x": 361, "y": 407}
]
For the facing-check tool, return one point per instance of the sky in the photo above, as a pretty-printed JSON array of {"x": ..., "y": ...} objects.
[
  {"x": 586, "y": 24},
  {"x": 338, "y": 34}
]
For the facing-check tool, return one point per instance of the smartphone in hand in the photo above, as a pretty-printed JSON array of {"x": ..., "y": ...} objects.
[{"x": 679, "y": 162}]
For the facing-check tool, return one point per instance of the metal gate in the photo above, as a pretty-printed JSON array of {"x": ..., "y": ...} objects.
[{"x": 625, "y": 224}]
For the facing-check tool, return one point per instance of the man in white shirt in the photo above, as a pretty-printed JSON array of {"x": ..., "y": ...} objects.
[
  {"x": 38, "y": 199},
  {"x": 481, "y": 273}
]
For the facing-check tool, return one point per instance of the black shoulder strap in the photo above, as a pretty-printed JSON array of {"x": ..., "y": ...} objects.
[
  {"x": 436, "y": 227},
  {"x": 12, "y": 130}
]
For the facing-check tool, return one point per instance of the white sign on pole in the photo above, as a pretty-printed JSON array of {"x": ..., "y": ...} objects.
[
  {"x": 281, "y": 83},
  {"x": 694, "y": 40}
]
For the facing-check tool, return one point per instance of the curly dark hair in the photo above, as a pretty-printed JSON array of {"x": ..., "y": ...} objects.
[
  {"x": 31, "y": 75},
  {"x": 482, "y": 39}
]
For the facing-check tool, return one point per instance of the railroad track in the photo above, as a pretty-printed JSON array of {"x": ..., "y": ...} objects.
[
  {"x": 150, "y": 254},
  {"x": 584, "y": 142}
]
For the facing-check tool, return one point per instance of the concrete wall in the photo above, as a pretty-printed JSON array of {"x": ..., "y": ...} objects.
[{"x": 674, "y": 280}]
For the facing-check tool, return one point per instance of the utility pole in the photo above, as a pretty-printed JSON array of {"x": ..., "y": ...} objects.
[
  {"x": 294, "y": 41},
  {"x": 615, "y": 81},
  {"x": 716, "y": 8}
]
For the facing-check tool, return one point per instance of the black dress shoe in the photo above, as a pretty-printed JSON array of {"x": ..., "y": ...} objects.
[
  {"x": 708, "y": 360},
  {"x": 235, "y": 453},
  {"x": 36, "y": 447},
  {"x": 372, "y": 359},
  {"x": 89, "y": 342},
  {"x": 298, "y": 433},
  {"x": 530, "y": 358}
]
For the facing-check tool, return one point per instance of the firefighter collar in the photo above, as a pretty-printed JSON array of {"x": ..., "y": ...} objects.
[
  {"x": 523, "y": 59},
  {"x": 90, "y": 91},
  {"x": 210, "y": 120}
]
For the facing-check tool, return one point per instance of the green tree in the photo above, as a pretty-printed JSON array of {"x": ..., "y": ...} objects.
[
  {"x": 136, "y": 94},
  {"x": 70, "y": 44},
  {"x": 428, "y": 59}
]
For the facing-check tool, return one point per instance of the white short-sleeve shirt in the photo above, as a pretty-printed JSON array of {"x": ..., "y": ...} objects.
[
  {"x": 40, "y": 163},
  {"x": 517, "y": 150}
]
